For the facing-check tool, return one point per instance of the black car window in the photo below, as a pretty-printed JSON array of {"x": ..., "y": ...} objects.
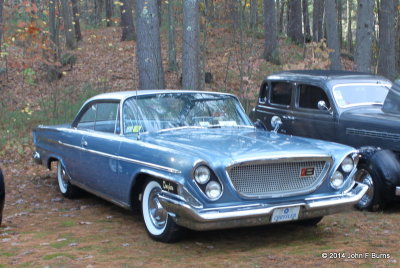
[
  {"x": 264, "y": 93},
  {"x": 281, "y": 93},
  {"x": 311, "y": 95}
]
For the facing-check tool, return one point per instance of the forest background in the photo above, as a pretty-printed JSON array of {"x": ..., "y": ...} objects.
[{"x": 57, "y": 53}]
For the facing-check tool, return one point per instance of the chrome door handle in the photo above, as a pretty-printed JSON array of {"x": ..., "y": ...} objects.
[{"x": 84, "y": 143}]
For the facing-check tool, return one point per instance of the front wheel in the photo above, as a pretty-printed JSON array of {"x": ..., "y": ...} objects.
[
  {"x": 66, "y": 188},
  {"x": 370, "y": 201},
  {"x": 159, "y": 225}
]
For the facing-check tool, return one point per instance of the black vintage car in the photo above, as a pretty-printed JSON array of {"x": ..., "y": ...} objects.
[
  {"x": 2, "y": 195},
  {"x": 357, "y": 109}
]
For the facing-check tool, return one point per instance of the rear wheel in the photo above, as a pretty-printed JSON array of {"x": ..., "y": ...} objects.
[
  {"x": 159, "y": 225},
  {"x": 66, "y": 188}
]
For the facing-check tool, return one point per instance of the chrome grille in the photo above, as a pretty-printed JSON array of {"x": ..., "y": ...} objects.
[
  {"x": 373, "y": 134},
  {"x": 269, "y": 179}
]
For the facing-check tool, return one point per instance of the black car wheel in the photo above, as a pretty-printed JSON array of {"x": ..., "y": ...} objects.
[
  {"x": 159, "y": 225},
  {"x": 380, "y": 172},
  {"x": 363, "y": 175}
]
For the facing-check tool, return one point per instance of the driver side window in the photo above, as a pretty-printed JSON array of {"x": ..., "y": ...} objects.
[{"x": 310, "y": 96}]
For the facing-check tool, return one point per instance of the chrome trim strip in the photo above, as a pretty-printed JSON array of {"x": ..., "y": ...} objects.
[
  {"x": 398, "y": 191},
  {"x": 171, "y": 170},
  {"x": 103, "y": 196}
]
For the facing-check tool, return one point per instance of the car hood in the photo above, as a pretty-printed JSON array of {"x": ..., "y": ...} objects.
[
  {"x": 238, "y": 145},
  {"x": 374, "y": 115}
]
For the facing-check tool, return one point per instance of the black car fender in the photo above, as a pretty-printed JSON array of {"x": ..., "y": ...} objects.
[{"x": 387, "y": 166}]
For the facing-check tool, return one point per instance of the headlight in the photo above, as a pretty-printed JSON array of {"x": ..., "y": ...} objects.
[
  {"x": 202, "y": 174},
  {"x": 347, "y": 164},
  {"x": 213, "y": 190},
  {"x": 337, "y": 180}
]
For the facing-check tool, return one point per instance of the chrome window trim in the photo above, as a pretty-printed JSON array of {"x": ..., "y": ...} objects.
[{"x": 281, "y": 159}]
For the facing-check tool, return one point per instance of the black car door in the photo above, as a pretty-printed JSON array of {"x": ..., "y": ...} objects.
[
  {"x": 314, "y": 115},
  {"x": 276, "y": 99}
]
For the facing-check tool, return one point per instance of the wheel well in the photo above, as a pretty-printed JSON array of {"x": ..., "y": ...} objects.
[
  {"x": 51, "y": 160},
  {"x": 137, "y": 188}
]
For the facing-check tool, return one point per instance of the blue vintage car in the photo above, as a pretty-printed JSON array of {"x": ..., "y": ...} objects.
[{"x": 194, "y": 160}]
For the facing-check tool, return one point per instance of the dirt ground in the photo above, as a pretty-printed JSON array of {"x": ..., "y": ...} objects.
[{"x": 43, "y": 229}]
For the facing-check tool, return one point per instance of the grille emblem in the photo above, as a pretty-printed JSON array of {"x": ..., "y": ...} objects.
[{"x": 307, "y": 172}]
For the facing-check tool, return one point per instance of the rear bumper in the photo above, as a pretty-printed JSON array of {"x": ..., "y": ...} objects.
[{"x": 255, "y": 214}]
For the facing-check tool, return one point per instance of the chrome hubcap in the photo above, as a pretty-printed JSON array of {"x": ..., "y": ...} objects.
[
  {"x": 64, "y": 178},
  {"x": 157, "y": 213},
  {"x": 364, "y": 176}
]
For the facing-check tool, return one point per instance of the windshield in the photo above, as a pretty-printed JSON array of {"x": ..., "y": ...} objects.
[
  {"x": 181, "y": 110},
  {"x": 349, "y": 95},
  {"x": 392, "y": 102}
]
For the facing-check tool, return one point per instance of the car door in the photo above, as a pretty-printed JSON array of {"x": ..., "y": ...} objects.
[
  {"x": 276, "y": 99},
  {"x": 100, "y": 146},
  {"x": 313, "y": 120}
]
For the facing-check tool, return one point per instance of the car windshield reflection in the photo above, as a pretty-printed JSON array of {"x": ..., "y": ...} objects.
[
  {"x": 350, "y": 95},
  {"x": 163, "y": 112}
]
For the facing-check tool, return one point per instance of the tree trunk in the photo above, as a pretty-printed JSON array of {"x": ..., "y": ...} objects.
[
  {"x": 364, "y": 34},
  {"x": 108, "y": 5},
  {"x": 191, "y": 45},
  {"x": 54, "y": 33},
  {"x": 271, "y": 51},
  {"x": 68, "y": 26},
  {"x": 233, "y": 12},
  {"x": 253, "y": 14},
  {"x": 281, "y": 16},
  {"x": 1, "y": 22},
  {"x": 294, "y": 27},
  {"x": 99, "y": 7},
  {"x": 306, "y": 20},
  {"x": 318, "y": 20},
  {"x": 332, "y": 34},
  {"x": 340, "y": 24},
  {"x": 148, "y": 52},
  {"x": 349, "y": 30},
  {"x": 77, "y": 24},
  {"x": 128, "y": 29},
  {"x": 171, "y": 36},
  {"x": 387, "y": 42}
]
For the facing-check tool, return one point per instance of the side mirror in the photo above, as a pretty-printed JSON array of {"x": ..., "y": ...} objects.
[
  {"x": 322, "y": 106},
  {"x": 276, "y": 123}
]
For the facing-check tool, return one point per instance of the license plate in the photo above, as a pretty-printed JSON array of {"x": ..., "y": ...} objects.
[{"x": 285, "y": 214}]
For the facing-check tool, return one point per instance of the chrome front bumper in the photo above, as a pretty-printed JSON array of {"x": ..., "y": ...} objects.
[{"x": 255, "y": 214}]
